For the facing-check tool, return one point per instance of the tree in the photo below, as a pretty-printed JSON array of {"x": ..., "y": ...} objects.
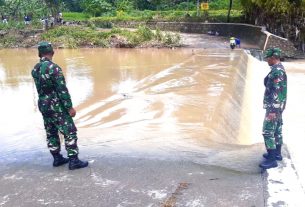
[
  {"x": 124, "y": 5},
  {"x": 54, "y": 6},
  {"x": 73, "y": 5},
  {"x": 281, "y": 17},
  {"x": 16, "y": 9},
  {"x": 144, "y": 4},
  {"x": 229, "y": 11},
  {"x": 96, "y": 7}
]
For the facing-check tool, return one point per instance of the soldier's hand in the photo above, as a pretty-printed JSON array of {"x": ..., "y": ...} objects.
[
  {"x": 72, "y": 112},
  {"x": 272, "y": 116}
]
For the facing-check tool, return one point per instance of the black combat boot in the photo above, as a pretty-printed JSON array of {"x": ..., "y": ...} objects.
[
  {"x": 279, "y": 152},
  {"x": 266, "y": 155},
  {"x": 59, "y": 159},
  {"x": 271, "y": 161},
  {"x": 278, "y": 155},
  {"x": 76, "y": 163}
]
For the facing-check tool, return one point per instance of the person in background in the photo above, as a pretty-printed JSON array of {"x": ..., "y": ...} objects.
[
  {"x": 4, "y": 19},
  {"x": 27, "y": 20},
  {"x": 52, "y": 21},
  {"x": 232, "y": 42},
  {"x": 275, "y": 97},
  {"x": 60, "y": 18},
  {"x": 237, "y": 42},
  {"x": 55, "y": 105}
]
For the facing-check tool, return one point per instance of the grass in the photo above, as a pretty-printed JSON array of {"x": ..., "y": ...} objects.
[
  {"x": 19, "y": 25},
  {"x": 8, "y": 42},
  {"x": 73, "y": 37},
  {"x": 135, "y": 15}
]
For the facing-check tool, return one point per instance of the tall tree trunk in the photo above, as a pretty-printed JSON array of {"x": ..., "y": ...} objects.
[{"x": 229, "y": 11}]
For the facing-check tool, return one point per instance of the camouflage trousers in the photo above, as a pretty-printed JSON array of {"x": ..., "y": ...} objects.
[
  {"x": 63, "y": 123},
  {"x": 272, "y": 130}
]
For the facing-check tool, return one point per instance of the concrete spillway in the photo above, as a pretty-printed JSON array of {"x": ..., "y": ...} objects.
[
  {"x": 159, "y": 127},
  {"x": 190, "y": 104}
]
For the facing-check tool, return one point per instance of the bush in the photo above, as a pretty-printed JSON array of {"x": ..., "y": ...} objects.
[
  {"x": 109, "y": 18},
  {"x": 185, "y": 5},
  {"x": 221, "y": 4},
  {"x": 71, "y": 37},
  {"x": 171, "y": 39},
  {"x": 75, "y": 16},
  {"x": 12, "y": 25},
  {"x": 145, "y": 33},
  {"x": 158, "y": 35},
  {"x": 221, "y": 16},
  {"x": 8, "y": 41}
]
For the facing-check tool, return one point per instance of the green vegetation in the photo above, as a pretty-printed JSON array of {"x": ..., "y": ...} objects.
[
  {"x": 220, "y": 4},
  {"x": 282, "y": 17},
  {"x": 76, "y": 9},
  {"x": 76, "y": 36},
  {"x": 75, "y": 16},
  {"x": 176, "y": 16},
  {"x": 73, "y": 37},
  {"x": 17, "y": 25},
  {"x": 8, "y": 42}
]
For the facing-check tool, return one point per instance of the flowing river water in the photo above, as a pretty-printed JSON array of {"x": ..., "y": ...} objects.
[{"x": 184, "y": 103}]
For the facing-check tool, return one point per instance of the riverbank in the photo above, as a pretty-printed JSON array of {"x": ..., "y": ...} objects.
[
  {"x": 86, "y": 37},
  {"x": 142, "y": 36},
  {"x": 77, "y": 37}
]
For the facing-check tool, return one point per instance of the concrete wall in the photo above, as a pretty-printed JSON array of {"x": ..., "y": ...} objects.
[
  {"x": 247, "y": 33},
  {"x": 250, "y": 34}
]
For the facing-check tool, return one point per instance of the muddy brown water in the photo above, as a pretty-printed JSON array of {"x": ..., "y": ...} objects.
[{"x": 158, "y": 102}]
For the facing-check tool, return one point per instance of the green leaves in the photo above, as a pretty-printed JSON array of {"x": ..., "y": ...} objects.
[
  {"x": 272, "y": 7},
  {"x": 96, "y": 7},
  {"x": 124, "y": 5}
]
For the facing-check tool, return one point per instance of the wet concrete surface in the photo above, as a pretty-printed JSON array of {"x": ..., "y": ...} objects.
[{"x": 127, "y": 181}]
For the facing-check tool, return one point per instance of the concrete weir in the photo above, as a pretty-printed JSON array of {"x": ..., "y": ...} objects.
[
  {"x": 160, "y": 127},
  {"x": 183, "y": 135},
  {"x": 256, "y": 36}
]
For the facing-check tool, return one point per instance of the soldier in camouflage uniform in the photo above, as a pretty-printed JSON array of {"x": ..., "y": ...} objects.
[
  {"x": 55, "y": 105},
  {"x": 274, "y": 103}
]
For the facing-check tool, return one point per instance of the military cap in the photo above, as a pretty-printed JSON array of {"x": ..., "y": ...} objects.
[
  {"x": 272, "y": 52},
  {"x": 45, "y": 47}
]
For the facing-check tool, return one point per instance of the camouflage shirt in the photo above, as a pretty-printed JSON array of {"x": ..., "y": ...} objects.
[
  {"x": 50, "y": 83},
  {"x": 276, "y": 89}
]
